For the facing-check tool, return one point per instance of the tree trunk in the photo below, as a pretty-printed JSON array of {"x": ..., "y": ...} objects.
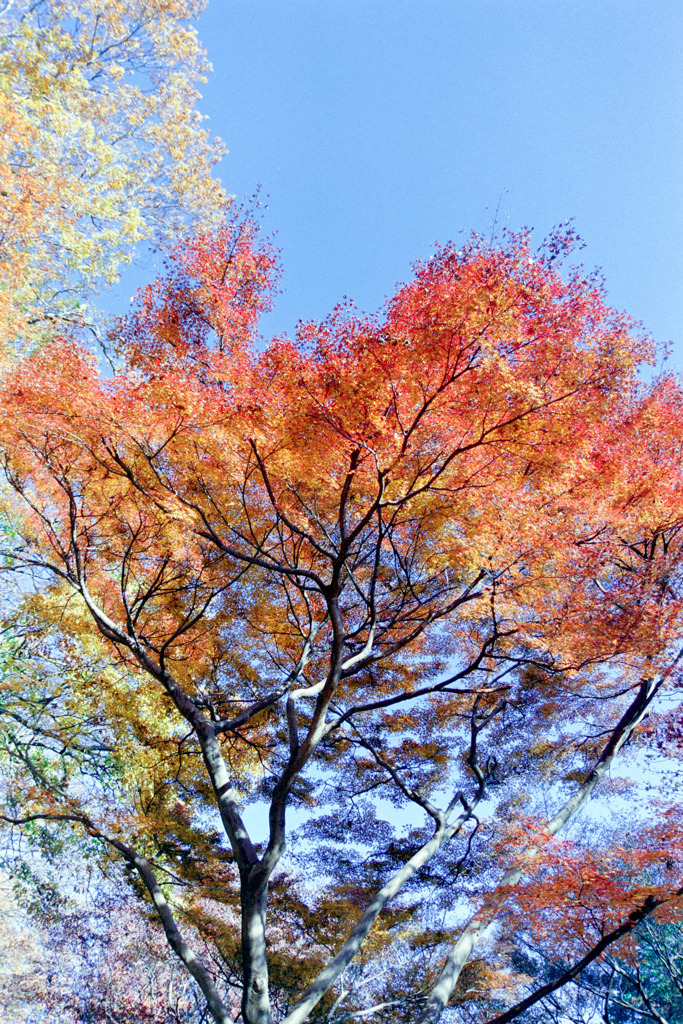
[{"x": 255, "y": 998}]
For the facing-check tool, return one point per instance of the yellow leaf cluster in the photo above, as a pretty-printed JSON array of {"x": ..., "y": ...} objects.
[{"x": 101, "y": 147}]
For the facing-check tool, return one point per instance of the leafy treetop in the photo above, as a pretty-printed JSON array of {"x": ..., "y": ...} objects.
[
  {"x": 102, "y": 146},
  {"x": 405, "y": 558}
]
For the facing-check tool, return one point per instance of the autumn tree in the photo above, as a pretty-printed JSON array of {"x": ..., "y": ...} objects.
[
  {"x": 97, "y": 961},
  {"x": 630, "y": 972},
  {"x": 386, "y": 593},
  {"x": 594, "y": 945},
  {"x": 101, "y": 149}
]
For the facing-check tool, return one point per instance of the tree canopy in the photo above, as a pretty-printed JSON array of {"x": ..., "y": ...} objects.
[
  {"x": 102, "y": 147},
  {"x": 327, "y": 639}
]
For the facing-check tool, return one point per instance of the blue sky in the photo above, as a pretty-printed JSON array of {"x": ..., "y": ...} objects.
[{"x": 377, "y": 127}]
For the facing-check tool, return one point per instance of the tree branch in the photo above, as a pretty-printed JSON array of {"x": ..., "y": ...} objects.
[{"x": 634, "y": 918}]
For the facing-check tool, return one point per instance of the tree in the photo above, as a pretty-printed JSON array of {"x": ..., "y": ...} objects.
[
  {"x": 610, "y": 983},
  {"x": 103, "y": 967},
  {"x": 102, "y": 147},
  {"x": 615, "y": 954},
  {"x": 653, "y": 985},
  {"x": 420, "y": 564}
]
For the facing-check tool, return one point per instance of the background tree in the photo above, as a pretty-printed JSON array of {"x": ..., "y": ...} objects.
[
  {"x": 596, "y": 961},
  {"x": 103, "y": 965},
  {"x": 612, "y": 982},
  {"x": 404, "y": 566},
  {"x": 652, "y": 986},
  {"x": 102, "y": 147}
]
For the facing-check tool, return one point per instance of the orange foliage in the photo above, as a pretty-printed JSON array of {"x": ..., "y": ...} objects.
[{"x": 361, "y": 549}]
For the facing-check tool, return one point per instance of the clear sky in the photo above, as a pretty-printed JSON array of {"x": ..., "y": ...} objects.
[{"x": 377, "y": 127}]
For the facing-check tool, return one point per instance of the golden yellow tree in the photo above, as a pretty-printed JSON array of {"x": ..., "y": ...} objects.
[{"x": 102, "y": 146}]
